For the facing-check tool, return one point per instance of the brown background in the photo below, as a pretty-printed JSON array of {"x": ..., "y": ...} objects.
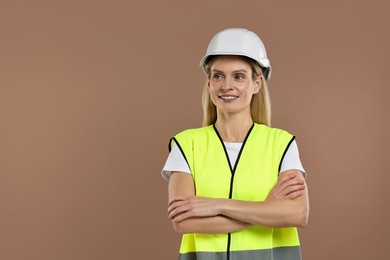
[{"x": 91, "y": 91}]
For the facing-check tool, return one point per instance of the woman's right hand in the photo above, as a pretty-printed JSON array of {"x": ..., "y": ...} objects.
[{"x": 290, "y": 185}]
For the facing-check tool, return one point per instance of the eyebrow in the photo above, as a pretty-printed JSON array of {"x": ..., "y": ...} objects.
[{"x": 234, "y": 71}]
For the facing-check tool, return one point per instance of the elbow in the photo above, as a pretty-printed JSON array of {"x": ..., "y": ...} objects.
[
  {"x": 297, "y": 217},
  {"x": 302, "y": 218},
  {"x": 180, "y": 228},
  {"x": 302, "y": 222},
  {"x": 302, "y": 214}
]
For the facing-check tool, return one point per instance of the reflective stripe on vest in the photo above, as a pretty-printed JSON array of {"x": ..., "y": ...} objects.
[
  {"x": 285, "y": 253},
  {"x": 251, "y": 179}
]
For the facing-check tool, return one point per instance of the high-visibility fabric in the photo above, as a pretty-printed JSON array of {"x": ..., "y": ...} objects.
[{"x": 251, "y": 178}]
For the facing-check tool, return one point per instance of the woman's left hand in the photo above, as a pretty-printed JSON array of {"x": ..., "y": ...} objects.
[
  {"x": 290, "y": 185},
  {"x": 183, "y": 207}
]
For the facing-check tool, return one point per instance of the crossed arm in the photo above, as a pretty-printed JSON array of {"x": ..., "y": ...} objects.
[{"x": 287, "y": 205}]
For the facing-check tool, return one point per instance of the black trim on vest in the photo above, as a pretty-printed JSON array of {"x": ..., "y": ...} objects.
[
  {"x": 228, "y": 246},
  {"x": 170, "y": 144},
  {"x": 224, "y": 148},
  {"x": 284, "y": 153},
  {"x": 232, "y": 170},
  {"x": 181, "y": 150}
]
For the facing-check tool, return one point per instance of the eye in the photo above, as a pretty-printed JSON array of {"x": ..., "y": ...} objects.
[
  {"x": 239, "y": 76},
  {"x": 217, "y": 76}
]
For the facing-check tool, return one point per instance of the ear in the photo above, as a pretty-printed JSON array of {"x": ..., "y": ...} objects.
[{"x": 258, "y": 84}]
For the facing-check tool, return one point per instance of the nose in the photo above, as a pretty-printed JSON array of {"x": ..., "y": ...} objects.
[{"x": 226, "y": 83}]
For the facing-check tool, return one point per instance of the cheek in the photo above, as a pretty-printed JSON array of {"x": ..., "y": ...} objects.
[
  {"x": 248, "y": 93},
  {"x": 213, "y": 97},
  {"x": 213, "y": 89},
  {"x": 212, "y": 93},
  {"x": 246, "y": 90}
]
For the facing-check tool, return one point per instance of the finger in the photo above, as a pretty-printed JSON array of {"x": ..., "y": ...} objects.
[
  {"x": 179, "y": 210},
  {"x": 292, "y": 189},
  {"x": 295, "y": 194},
  {"x": 178, "y": 198},
  {"x": 172, "y": 215},
  {"x": 182, "y": 216},
  {"x": 294, "y": 174},
  {"x": 287, "y": 187},
  {"x": 289, "y": 175},
  {"x": 174, "y": 199},
  {"x": 176, "y": 204},
  {"x": 290, "y": 183},
  {"x": 285, "y": 178}
]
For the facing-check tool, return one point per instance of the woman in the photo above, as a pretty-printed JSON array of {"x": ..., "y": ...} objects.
[{"x": 236, "y": 189}]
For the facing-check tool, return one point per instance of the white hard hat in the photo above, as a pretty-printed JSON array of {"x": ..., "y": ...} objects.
[{"x": 238, "y": 41}]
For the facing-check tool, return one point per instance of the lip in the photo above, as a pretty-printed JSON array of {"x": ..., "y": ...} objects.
[{"x": 228, "y": 98}]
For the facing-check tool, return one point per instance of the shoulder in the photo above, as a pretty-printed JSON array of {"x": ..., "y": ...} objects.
[
  {"x": 277, "y": 138},
  {"x": 188, "y": 139},
  {"x": 272, "y": 131},
  {"x": 194, "y": 132}
]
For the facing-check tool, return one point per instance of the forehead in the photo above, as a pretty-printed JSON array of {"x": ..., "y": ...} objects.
[{"x": 230, "y": 63}]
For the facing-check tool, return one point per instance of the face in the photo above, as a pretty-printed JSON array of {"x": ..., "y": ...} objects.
[{"x": 231, "y": 84}]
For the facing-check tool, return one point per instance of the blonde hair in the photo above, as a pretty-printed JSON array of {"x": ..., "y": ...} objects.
[{"x": 260, "y": 104}]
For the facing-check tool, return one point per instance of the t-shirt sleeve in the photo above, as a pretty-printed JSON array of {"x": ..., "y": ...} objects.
[
  {"x": 175, "y": 162},
  {"x": 291, "y": 159}
]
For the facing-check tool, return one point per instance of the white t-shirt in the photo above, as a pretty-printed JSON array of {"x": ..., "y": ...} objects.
[{"x": 177, "y": 162}]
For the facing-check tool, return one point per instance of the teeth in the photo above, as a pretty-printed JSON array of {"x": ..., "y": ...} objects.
[{"x": 228, "y": 97}]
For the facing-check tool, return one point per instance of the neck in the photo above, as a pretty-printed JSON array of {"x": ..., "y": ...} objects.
[{"x": 233, "y": 128}]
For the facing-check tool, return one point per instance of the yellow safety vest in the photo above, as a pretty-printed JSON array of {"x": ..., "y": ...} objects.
[{"x": 250, "y": 179}]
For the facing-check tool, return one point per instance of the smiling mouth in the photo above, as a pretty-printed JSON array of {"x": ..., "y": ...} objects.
[{"x": 228, "y": 97}]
